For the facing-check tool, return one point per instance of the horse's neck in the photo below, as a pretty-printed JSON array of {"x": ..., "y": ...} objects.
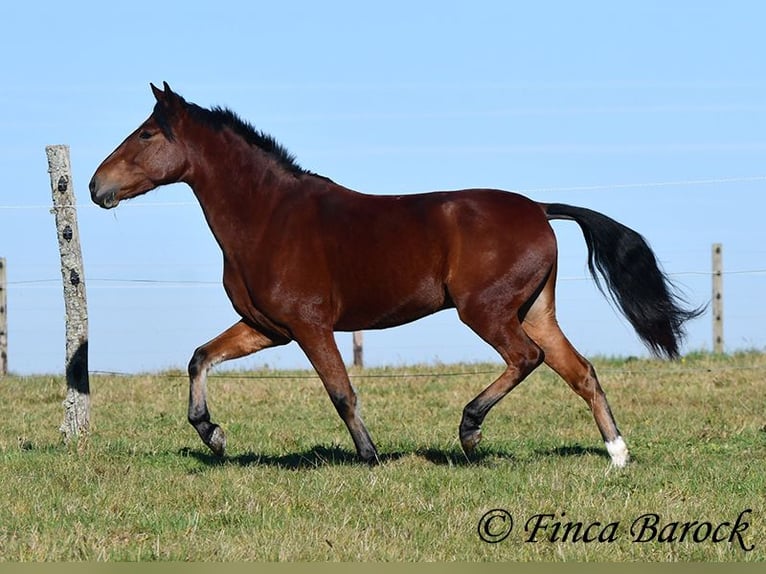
[{"x": 237, "y": 194}]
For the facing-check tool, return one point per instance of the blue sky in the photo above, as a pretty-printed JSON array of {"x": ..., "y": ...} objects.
[{"x": 651, "y": 112}]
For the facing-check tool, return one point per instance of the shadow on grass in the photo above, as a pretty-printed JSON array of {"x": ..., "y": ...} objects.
[
  {"x": 323, "y": 456},
  {"x": 456, "y": 457},
  {"x": 320, "y": 456},
  {"x": 315, "y": 457},
  {"x": 574, "y": 450}
]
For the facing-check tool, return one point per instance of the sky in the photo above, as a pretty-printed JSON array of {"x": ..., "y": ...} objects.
[{"x": 651, "y": 112}]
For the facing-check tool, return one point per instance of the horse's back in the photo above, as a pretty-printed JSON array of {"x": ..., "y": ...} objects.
[
  {"x": 437, "y": 229},
  {"x": 450, "y": 213}
]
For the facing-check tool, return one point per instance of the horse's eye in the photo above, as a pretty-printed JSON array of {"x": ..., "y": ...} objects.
[{"x": 145, "y": 135}]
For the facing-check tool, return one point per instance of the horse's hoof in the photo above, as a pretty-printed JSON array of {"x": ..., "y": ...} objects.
[
  {"x": 470, "y": 441},
  {"x": 217, "y": 441}
]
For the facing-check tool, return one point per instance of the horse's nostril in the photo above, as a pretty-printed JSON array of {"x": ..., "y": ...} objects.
[{"x": 92, "y": 185}]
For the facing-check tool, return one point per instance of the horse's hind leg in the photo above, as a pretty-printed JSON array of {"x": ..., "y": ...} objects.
[
  {"x": 541, "y": 325},
  {"x": 237, "y": 341},
  {"x": 521, "y": 355}
]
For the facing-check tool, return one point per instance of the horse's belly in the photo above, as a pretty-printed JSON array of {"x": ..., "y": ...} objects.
[{"x": 389, "y": 306}]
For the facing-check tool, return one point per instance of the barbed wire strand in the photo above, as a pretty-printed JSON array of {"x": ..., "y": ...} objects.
[{"x": 282, "y": 375}]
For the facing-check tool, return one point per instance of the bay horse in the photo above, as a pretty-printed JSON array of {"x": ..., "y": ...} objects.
[{"x": 304, "y": 257}]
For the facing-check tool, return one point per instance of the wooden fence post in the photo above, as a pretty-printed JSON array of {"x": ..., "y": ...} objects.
[
  {"x": 3, "y": 320},
  {"x": 358, "y": 349},
  {"x": 717, "y": 298},
  {"x": 77, "y": 402}
]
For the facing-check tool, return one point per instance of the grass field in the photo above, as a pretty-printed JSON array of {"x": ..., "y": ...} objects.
[{"x": 143, "y": 487}]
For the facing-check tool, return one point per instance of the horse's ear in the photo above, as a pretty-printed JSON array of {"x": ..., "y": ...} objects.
[
  {"x": 168, "y": 98},
  {"x": 158, "y": 94}
]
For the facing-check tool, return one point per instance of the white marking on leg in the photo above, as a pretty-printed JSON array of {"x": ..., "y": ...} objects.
[{"x": 618, "y": 450}]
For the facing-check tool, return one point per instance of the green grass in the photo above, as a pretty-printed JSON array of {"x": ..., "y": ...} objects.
[{"x": 143, "y": 487}]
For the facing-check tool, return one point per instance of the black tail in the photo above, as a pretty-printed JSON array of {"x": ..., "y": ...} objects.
[{"x": 633, "y": 278}]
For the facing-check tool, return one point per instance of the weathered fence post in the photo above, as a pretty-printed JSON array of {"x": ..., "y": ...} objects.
[
  {"x": 3, "y": 320},
  {"x": 717, "y": 298},
  {"x": 77, "y": 402},
  {"x": 358, "y": 349}
]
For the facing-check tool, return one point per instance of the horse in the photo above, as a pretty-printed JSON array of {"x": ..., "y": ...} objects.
[{"x": 304, "y": 257}]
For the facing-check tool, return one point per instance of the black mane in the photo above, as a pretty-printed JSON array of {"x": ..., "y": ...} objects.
[{"x": 218, "y": 118}]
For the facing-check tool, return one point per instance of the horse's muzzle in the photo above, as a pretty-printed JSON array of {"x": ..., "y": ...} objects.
[{"x": 103, "y": 196}]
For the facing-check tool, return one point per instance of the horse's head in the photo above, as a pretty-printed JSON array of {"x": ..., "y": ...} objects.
[{"x": 149, "y": 157}]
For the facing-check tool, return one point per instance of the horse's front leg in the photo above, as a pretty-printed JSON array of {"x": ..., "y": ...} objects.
[
  {"x": 320, "y": 348},
  {"x": 237, "y": 341}
]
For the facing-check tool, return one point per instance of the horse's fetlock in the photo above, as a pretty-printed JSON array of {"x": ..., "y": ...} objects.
[
  {"x": 470, "y": 420},
  {"x": 195, "y": 417}
]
